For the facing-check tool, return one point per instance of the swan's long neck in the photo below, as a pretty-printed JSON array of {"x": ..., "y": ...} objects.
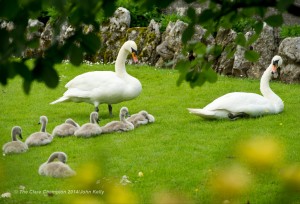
[
  {"x": 94, "y": 118},
  {"x": 43, "y": 128},
  {"x": 14, "y": 135},
  {"x": 52, "y": 157},
  {"x": 267, "y": 91},
  {"x": 59, "y": 155},
  {"x": 72, "y": 122},
  {"x": 120, "y": 62}
]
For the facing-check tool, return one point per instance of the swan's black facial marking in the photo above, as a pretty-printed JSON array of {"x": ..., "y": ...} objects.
[
  {"x": 20, "y": 135},
  {"x": 275, "y": 62},
  {"x": 134, "y": 51}
]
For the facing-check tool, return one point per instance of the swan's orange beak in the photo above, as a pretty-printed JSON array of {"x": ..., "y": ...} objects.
[
  {"x": 134, "y": 57},
  {"x": 274, "y": 68}
]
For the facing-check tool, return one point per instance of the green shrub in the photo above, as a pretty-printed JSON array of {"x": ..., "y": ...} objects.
[
  {"x": 165, "y": 19},
  {"x": 139, "y": 17},
  {"x": 243, "y": 25},
  {"x": 290, "y": 31}
]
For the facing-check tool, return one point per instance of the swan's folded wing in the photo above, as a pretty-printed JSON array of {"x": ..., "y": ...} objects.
[
  {"x": 237, "y": 102},
  {"x": 90, "y": 80}
]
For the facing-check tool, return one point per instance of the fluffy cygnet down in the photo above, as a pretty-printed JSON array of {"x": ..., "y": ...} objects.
[{"x": 56, "y": 169}]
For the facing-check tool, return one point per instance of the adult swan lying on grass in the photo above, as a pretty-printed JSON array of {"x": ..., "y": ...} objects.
[
  {"x": 105, "y": 86},
  {"x": 240, "y": 104}
]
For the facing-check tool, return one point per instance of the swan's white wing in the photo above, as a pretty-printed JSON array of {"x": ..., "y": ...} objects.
[
  {"x": 91, "y": 80},
  {"x": 236, "y": 102},
  {"x": 101, "y": 86}
]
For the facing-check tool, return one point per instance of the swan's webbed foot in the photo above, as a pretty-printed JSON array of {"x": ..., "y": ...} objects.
[
  {"x": 110, "y": 110},
  {"x": 234, "y": 116}
]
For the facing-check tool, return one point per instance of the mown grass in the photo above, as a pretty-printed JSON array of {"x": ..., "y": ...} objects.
[{"x": 179, "y": 153}]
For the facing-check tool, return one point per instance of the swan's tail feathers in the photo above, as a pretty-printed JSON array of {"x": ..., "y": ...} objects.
[
  {"x": 201, "y": 112},
  {"x": 61, "y": 99}
]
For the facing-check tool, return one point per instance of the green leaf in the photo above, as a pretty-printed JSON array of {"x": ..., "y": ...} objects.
[
  {"x": 9, "y": 9},
  {"x": 3, "y": 74},
  {"x": 108, "y": 7},
  {"x": 182, "y": 66},
  {"x": 252, "y": 39},
  {"x": 282, "y": 5},
  {"x": 22, "y": 69},
  {"x": 91, "y": 43},
  {"x": 191, "y": 13},
  {"x": 59, "y": 4},
  {"x": 188, "y": 33},
  {"x": 26, "y": 86},
  {"x": 215, "y": 50},
  {"x": 258, "y": 26},
  {"x": 44, "y": 71},
  {"x": 50, "y": 77},
  {"x": 251, "y": 55},
  {"x": 206, "y": 16},
  {"x": 240, "y": 39},
  {"x": 76, "y": 55},
  {"x": 274, "y": 20},
  {"x": 211, "y": 76},
  {"x": 200, "y": 48}
]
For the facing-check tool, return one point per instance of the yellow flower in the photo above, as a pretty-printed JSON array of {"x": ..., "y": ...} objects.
[
  {"x": 291, "y": 177},
  {"x": 261, "y": 152},
  {"x": 140, "y": 174},
  {"x": 230, "y": 182}
]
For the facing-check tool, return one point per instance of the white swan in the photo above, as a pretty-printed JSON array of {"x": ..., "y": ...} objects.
[
  {"x": 141, "y": 118},
  {"x": 119, "y": 126},
  {"x": 66, "y": 129},
  {"x": 240, "y": 104},
  {"x": 42, "y": 137},
  {"x": 56, "y": 169},
  {"x": 89, "y": 129},
  {"x": 105, "y": 86},
  {"x": 15, "y": 146}
]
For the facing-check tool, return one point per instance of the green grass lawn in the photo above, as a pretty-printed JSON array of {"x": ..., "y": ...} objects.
[{"x": 178, "y": 155}]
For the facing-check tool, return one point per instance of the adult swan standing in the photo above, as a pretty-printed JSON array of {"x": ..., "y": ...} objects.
[
  {"x": 240, "y": 104},
  {"x": 108, "y": 87}
]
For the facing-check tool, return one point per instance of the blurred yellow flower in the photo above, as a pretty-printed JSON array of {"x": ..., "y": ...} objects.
[
  {"x": 85, "y": 199},
  {"x": 170, "y": 198},
  {"x": 261, "y": 152},
  {"x": 119, "y": 195},
  {"x": 291, "y": 177},
  {"x": 230, "y": 182},
  {"x": 87, "y": 175}
]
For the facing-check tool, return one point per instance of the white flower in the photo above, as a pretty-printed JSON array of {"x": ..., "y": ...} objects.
[
  {"x": 6, "y": 195},
  {"x": 124, "y": 180},
  {"x": 140, "y": 174}
]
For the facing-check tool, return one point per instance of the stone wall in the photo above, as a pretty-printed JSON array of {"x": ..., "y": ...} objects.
[{"x": 159, "y": 49}]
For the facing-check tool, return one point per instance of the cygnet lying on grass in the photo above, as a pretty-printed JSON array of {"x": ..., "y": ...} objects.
[
  {"x": 15, "y": 146},
  {"x": 66, "y": 129},
  {"x": 119, "y": 126},
  {"x": 141, "y": 118},
  {"x": 89, "y": 129},
  {"x": 42, "y": 137},
  {"x": 56, "y": 169}
]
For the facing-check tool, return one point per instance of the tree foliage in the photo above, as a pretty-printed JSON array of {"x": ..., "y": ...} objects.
[
  {"x": 14, "y": 41},
  {"x": 219, "y": 13}
]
